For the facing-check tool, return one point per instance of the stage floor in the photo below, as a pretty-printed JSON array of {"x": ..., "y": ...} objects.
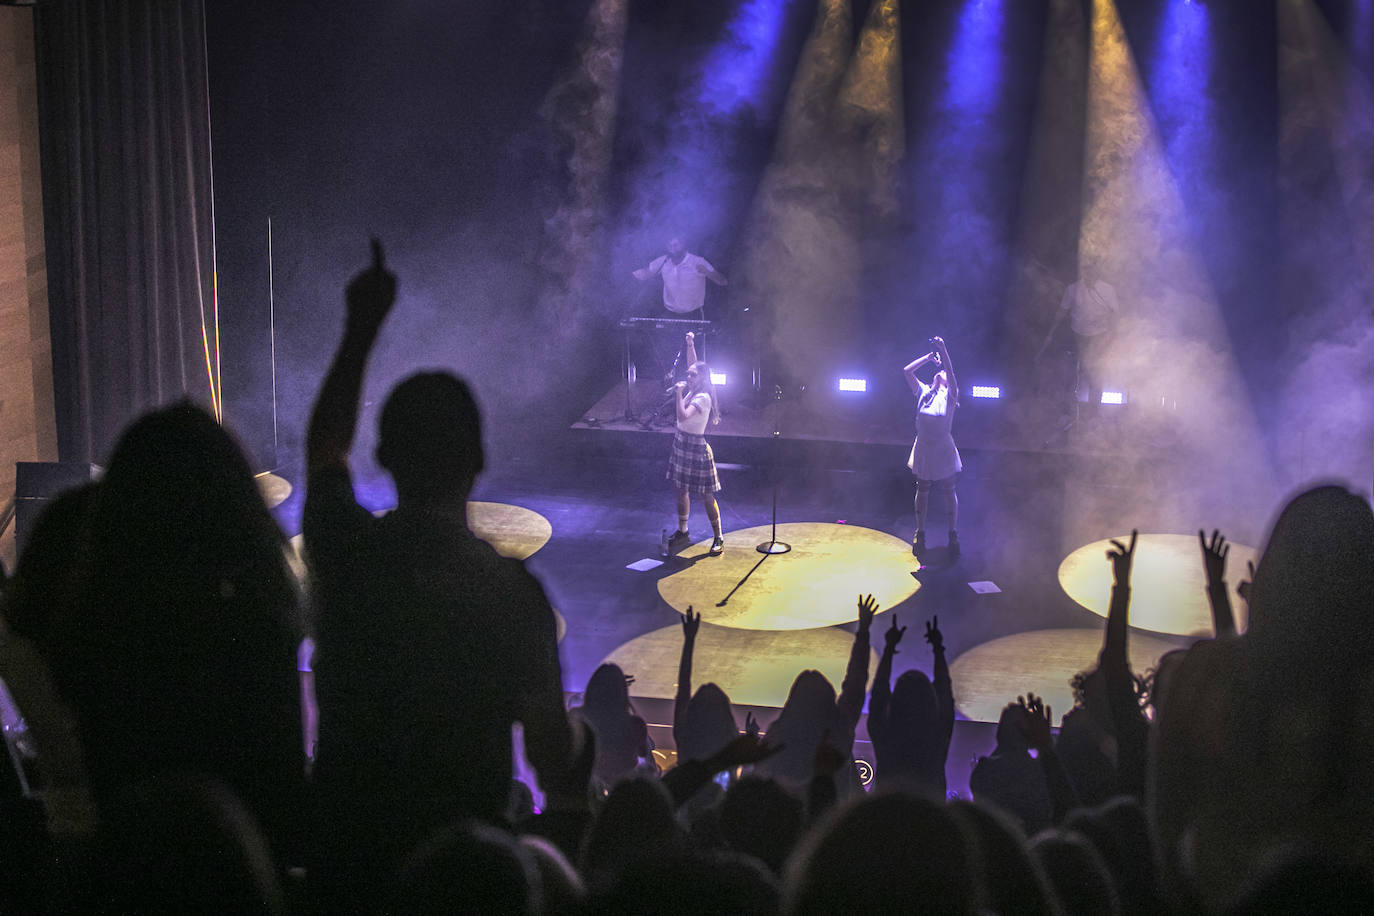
[{"x": 1020, "y": 609}]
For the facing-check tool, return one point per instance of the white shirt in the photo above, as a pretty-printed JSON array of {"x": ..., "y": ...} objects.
[
  {"x": 696, "y": 424},
  {"x": 684, "y": 286}
]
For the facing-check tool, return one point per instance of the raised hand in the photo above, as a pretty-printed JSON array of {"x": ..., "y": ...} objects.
[
  {"x": 933, "y": 634},
  {"x": 1121, "y": 557},
  {"x": 751, "y": 725},
  {"x": 371, "y": 294},
  {"x": 893, "y": 635},
  {"x": 1035, "y": 722},
  {"x": 867, "y": 608},
  {"x": 1243, "y": 589},
  {"x": 690, "y": 624},
  {"x": 1214, "y": 556}
]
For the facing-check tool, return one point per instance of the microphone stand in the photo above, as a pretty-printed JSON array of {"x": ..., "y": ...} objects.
[
  {"x": 773, "y": 545},
  {"x": 669, "y": 394}
]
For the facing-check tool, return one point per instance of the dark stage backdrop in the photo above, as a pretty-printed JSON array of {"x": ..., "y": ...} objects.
[
  {"x": 125, "y": 132},
  {"x": 444, "y": 129}
]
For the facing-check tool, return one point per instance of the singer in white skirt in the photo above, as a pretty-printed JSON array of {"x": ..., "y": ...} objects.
[
  {"x": 692, "y": 465},
  {"x": 934, "y": 457}
]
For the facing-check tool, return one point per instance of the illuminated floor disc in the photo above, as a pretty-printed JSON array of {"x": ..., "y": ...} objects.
[
  {"x": 814, "y": 585},
  {"x": 513, "y": 530},
  {"x": 754, "y": 667},
  {"x": 1168, "y": 584},
  {"x": 993, "y": 674},
  {"x": 275, "y": 490}
]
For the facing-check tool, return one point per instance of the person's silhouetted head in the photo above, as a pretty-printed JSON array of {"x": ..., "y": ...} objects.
[
  {"x": 621, "y": 737},
  {"x": 469, "y": 868},
  {"x": 607, "y": 692},
  {"x": 808, "y": 713},
  {"x": 1121, "y": 833},
  {"x": 811, "y": 695},
  {"x": 1014, "y": 881},
  {"x": 885, "y": 853},
  {"x": 707, "y": 724},
  {"x": 1297, "y": 881},
  {"x": 181, "y": 843},
  {"x": 636, "y": 821},
  {"x": 1077, "y": 871},
  {"x": 699, "y": 379},
  {"x": 1089, "y": 690},
  {"x": 762, "y": 819},
  {"x": 694, "y": 881},
  {"x": 1314, "y": 585},
  {"x": 914, "y": 704},
  {"x": 178, "y": 517},
  {"x": 564, "y": 891},
  {"x": 431, "y": 436}
]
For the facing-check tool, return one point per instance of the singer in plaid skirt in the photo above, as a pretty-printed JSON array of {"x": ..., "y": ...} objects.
[{"x": 691, "y": 465}]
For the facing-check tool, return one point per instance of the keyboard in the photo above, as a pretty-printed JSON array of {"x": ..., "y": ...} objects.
[{"x": 676, "y": 324}]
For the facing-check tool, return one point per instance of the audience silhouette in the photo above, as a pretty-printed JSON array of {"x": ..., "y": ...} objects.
[
  {"x": 622, "y": 738},
  {"x": 152, "y": 626},
  {"x": 429, "y": 645}
]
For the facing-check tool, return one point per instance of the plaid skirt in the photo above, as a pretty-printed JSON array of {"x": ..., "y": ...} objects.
[{"x": 692, "y": 464}]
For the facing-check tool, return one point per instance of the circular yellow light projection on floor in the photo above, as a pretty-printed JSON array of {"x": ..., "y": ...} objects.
[
  {"x": 989, "y": 676},
  {"x": 817, "y": 584},
  {"x": 1168, "y": 583},
  {"x": 753, "y": 667},
  {"x": 275, "y": 490},
  {"x": 513, "y": 530}
]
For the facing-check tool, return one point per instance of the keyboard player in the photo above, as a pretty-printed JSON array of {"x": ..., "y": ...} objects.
[{"x": 684, "y": 278}]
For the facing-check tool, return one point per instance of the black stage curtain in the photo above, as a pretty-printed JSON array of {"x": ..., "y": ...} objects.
[{"x": 125, "y": 130}]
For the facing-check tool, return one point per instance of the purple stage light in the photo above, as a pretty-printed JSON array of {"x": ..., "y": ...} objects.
[
  {"x": 735, "y": 73},
  {"x": 1362, "y": 30},
  {"x": 991, "y": 392},
  {"x": 974, "y": 65},
  {"x": 1179, "y": 85},
  {"x": 853, "y": 384}
]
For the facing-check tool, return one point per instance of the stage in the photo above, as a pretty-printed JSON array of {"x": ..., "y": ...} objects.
[
  {"x": 1021, "y": 608},
  {"x": 835, "y": 427}
]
